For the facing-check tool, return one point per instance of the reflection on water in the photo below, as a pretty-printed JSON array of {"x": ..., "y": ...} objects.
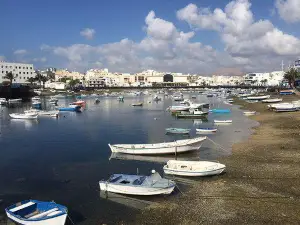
[{"x": 63, "y": 159}]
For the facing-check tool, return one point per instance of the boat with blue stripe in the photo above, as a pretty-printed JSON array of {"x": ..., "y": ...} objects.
[
  {"x": 177, "y": 131},
  {"x": 220, "y": 110},
  {"x": 70, "y": 108},
  {"x": 34, "y": 212}
]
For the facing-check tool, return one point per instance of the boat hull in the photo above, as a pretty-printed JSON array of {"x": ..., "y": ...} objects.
[
  {"x": 192, "y": 145},
  {"x": 135, "y": 190},
  {"x": 193, "y": 173},
  {"x": 71, "y": 109},
  {"x": 27, "y": 117},
  {"x": 52, "y": 221}
]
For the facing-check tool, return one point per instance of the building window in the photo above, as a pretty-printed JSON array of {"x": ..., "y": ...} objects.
[
  {"x": 23, "y": 72},
  {"x": 19, "y": 67},
  {"x": 16, "y": 67},
  {"x": 31, "y": 68},
  {"x": 27, "y": 68},
  {"x": 27, "y": 72},
  {"x": 20, "y": 72},
  {"x": 24, "y": 67}
]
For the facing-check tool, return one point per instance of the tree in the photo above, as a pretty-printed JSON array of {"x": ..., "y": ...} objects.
[
  {"x": 73, "y": 83},
  {"x": 50, "y": 75},
  {"x": 236, "y": 83},
  {"x": 40, "y": 78},
  {"x": 44, "y": 79},
  {"x": 10, "y": 77},
  {"x": 31, "y": 80},
  {"x": 63, "y": 79},
  {"x": 291, "y": 76}
]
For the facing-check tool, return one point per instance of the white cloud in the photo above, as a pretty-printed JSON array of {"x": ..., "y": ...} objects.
[
  {"x": 42, "y": 59},
  {"x": 88, "y": 33},
  {"x": 249, "y": 45},
  {"x": 288, "y": 10},
  {"x": 241, "y": 34},
  {"x": 20, "y": 52}
]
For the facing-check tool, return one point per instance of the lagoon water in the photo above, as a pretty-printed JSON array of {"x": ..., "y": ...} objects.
[{"x": 63, "y": 159}]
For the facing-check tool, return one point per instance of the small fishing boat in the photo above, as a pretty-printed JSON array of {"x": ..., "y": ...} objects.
[
  {"x": 274, "y": 100},
  {"x": 79, "y": 102},
  {"x": 220, "y": 110},
  {"x": 97, "y": 101},
  {"x": 37, "y": 104},
  {"x": 137, "y": 104},
  {"x": 196, "y": 113},
  {"x": 15, "y": 101},
  {"x": 33, "y": 212},
  {"x": 230, "y": 100},
  {"x": 138, "y": 185},
  {"x": 193, "y": 168},
  {"x": 3, "y": 101},
  {"x": 52, "y": 113},
  {"x": 209, "y": 95},
  {"x": 194, "y": 96},
  {"x": 53, "y": 101},
  {"x": 36, "y": 98},
  {"x": 285, "y": 107},
  {"x": 259, "y": 97},
  {"x": 287, "y": 92},
  {"x": 223, "y": 121},
  {"x": 178, "y": 108},
  {"x": 177, "y": 131},
  {"x": 70, "y": 108},
  {"x": 206, "y": 130},
  {"x": 121, "y": 98},
  {"x": 28, "y": 116},
  {"x": 249, "y": 113},
  {"x": 178, "y": 146},
  {"x": 178, "y": 98}
]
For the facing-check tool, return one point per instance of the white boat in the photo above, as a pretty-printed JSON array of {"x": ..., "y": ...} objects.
[
  {"x": 193, "y": 168},
  {"x": 36, "y": 98},
  {"x": 3, "y": 101},
  {"x": 206, "y": 130},
  {"x": 17, "y": 100},
  {"x": 52, "y": 113},
  {"x": 178, "y": 146},
  {"x": 230, "y": 100},
  {"x": 33, "y": 212},
  {"x": 223, "y": 121},
  {"x": 179, "y": 108},
  {"x": 138, "y": 185},
  {"x": 285, "y": 107},
  {"x": 28, "y": 116},
  {"x": 260, "y": 97},
  {"x": 274, "y": 100},
  {"x": 249, "y": 113}
]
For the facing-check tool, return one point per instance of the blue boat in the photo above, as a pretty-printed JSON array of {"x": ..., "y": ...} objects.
[
  {"x": 220, "y": 110},
  {"x": 70, "y": 108},
  {"x": 36, "y": 105},
  {"x": 31, "y": 212}
]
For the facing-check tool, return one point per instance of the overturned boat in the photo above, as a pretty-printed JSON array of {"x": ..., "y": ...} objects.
[
  {"x": 33, "y": 212},
  {"x": 138, "y": 185},
  {"x": 178, "y": 146}
]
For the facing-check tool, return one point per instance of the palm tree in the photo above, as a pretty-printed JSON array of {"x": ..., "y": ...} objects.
[
  {"x": 50, "y": 75},
  {"x": 291, "y": 76},
  {"x": 31, "y": 80},
  {"x": 10, "y": 77},
  {"x": 73, "y": 83},
  {"x": 38, "y": 77},
  {"x": 44, "y": 79}
]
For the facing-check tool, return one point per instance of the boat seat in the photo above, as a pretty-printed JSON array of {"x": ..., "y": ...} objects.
[
  {"x": 115, "y": 179},
  {"x": 139, "y": 181},
  {"x": 32, "y": 214}
]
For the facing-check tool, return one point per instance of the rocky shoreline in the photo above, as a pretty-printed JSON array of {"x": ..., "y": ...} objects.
[{"x": 261, "y": 185}]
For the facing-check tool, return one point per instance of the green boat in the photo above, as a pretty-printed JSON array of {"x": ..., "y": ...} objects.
[{"x": 177, "y": 131}]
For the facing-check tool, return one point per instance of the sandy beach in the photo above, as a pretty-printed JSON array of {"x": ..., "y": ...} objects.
[{"x": 261, "y": 184}]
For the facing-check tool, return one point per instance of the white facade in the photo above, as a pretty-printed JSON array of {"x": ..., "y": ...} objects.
[
  {"x": 21, "y": 71},
  {"x": 267, "y": 79},
  {"x": 56, "y": 85}
]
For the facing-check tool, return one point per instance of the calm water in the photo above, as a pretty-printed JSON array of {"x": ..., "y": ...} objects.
[{"x": 63, "y": 159}]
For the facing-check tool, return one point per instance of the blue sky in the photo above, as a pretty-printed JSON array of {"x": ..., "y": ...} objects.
[{"x": 27, "y": 25}]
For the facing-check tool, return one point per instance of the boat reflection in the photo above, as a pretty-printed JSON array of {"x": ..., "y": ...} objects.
[
  {"x": 158, "y": 159},
  {"x": 26, "y": 123},
  {"x": 125, "y": 200}
]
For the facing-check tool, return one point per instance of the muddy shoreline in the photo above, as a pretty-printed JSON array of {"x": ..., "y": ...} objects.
[{"x": 261, "y": 184}]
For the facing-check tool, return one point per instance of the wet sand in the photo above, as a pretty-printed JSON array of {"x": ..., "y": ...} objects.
[{"x": 261, "y": 184}]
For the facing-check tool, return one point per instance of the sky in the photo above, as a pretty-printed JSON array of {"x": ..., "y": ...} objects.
[{"x": 189, "y": 36}]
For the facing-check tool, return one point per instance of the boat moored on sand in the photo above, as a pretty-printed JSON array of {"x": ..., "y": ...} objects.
[
  {"x": 206, "y": 130},
  {"x": 193, "y": 168},
  {"x": 177, "y": 131},
  {"x": 138, "y": 185},
  {"x": 28, "y": 116},
  {"x": 33, "y": 212}
]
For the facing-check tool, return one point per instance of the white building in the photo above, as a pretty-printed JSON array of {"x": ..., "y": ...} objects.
[
  {"x": 22, "y": 72},
  {"x": 56, "y": 85},
  {"x": 267, "y": 79}
]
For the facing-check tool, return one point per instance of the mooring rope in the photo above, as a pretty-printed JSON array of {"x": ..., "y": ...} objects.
[
  {"x": 71, "y": 220},
  {"x": 218, "y": 145}
]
